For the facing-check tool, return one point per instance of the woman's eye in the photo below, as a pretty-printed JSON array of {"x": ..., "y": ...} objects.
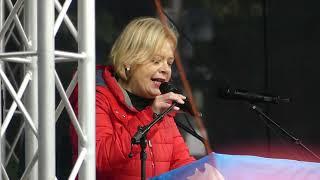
[
  {"x": 170, "y": 63},
  {"x": 156, "y": 61}
]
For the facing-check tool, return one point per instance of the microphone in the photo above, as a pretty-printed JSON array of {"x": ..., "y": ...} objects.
[
  {"x": 237, "y": 94},
  {"x": 166, "y": 87}
]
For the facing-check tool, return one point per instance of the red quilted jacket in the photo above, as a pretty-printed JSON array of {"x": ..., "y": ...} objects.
[{"x": 116, "y": 122}]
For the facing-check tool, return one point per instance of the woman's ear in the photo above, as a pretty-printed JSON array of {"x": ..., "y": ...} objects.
[{"x": 127, "y": 70}]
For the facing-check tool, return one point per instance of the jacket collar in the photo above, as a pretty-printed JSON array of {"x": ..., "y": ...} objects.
[{"x": 112, "y": 84}]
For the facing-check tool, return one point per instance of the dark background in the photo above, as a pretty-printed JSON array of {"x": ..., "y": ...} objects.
[{"x": 261, "y": 46}]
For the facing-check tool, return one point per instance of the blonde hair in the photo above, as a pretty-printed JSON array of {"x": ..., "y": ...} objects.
[{"x": 139, "y": 42}]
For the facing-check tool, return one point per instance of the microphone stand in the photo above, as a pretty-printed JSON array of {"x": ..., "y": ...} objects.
[
  {"x": 187, "y": 129},
  {"x": 140, "y": 138},
  {"x": 295, "y": 140}
]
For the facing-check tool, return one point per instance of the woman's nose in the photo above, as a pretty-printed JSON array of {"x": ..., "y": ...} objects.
[{"x": 165, "y": 67}]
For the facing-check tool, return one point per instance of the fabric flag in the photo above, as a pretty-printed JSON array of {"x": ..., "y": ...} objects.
[{"x": 239, "y": 167}]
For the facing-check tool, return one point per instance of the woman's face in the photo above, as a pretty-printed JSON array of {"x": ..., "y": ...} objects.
[{"x": 146, "y": 78}]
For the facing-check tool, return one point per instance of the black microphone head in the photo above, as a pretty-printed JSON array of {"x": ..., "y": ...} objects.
[
  {"x": 169, "y": 87},
  {"x": 240, "y": 94},
  {"x": 223, "y": 89},
  {"x": 166, "y": 87},
  {"x": 230, "y": 93},
  {"x": 223, "y": 92}
]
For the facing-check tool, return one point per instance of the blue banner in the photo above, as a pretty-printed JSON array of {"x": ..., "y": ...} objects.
[{"x": 239, "y": 167}]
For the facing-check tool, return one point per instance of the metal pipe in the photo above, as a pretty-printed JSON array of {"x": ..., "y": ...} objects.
[
  {"x": 16, "y": 60},
  {"x": 86, "y": 82},
  {"x": 30, "y": 165},
  {"x": 2, "y": 107},
  {"x": 70, "y": 111},
  {"x": 17, "y": 111},
  {"x": 69, "y": 90},
  {"x": 18, "y": 54},
  {"x": 19, "y": 103},
  {"x": 77, "y": 165},
  {"x": 4, "y": 173},
  {"x": 11, "y": 32},
  {"x": 11, "y": 75},
  {"x": 13, "y": 106},
  {"x": 62, "y": 14},
  {"x": 46, "y": 96},
  {"x": 70, "y": 54},
  {"x": 68, "y": 22},
  {"x": 31, "y": 95},
  {"x": 14, "y": 144},
  {"x": 15, "y": 157},
  {"x": 18, "y": 23},
  {"x": 10, "y": 17}
]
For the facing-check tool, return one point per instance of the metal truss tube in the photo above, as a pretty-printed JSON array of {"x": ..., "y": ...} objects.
[
  {"x": 9, "y": 36},
  {"x": 18, "y": 54},
  {"x": 16, "y": 60},
  {"x": 70, "y": 111},
  {"x": 69, "y": 90},
  {"x": 17, "y": 111},
  {"x": 70, "y": 54},
  {"x": 4, "y": 173},
  {"x": 10, "y": 17},
  {"x": 68, "y": 22},
  {"x": 63, "y": 13},
  {"x": 11, "y": 75},
  {"x": 11, "y": 32},
  {"x": 18, "y": 101},
  {"x": 14, "y": 104},
  {"x": 18, "y": 24},
  {"x": 15, "y": 157},
  {"x": 46, "y": 98},
  {"x": 77, "y": 165},
  {"x": 14, "y": 144},
  {"x": 86, "y": 68},
  {"x": 1, "y": 87},
  {"x": 31, "y": 95},
  {"x": 29, "y": 167}
]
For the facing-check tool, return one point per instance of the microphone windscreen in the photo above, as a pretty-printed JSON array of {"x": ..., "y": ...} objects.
[{"x": 166, "y": 87}]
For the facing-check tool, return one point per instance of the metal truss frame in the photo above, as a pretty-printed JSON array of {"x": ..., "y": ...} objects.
[{"x": 31, "y": 24}]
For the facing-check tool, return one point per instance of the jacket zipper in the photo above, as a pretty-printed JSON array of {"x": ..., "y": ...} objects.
[{"x": 152, "y": 158}]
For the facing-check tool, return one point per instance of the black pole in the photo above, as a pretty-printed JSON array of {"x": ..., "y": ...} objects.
[
  {"x": 184, "y": 127},
  {"x": 295, "y": 140},
  {"x": 143, "y": 157},
  {"x": 140, "y": 138}
]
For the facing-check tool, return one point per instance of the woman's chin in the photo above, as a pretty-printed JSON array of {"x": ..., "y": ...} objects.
[{"x": 153, "y": 94}]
